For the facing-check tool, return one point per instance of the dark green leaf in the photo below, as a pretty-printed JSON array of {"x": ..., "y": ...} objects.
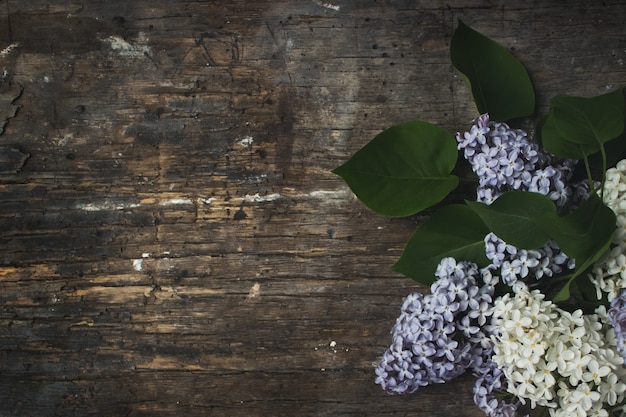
[
  {"x": 615, "y": 152},
  {"x": 499, "y": 82},
  {"x": 584, "y": 235},
  {"x": 583, "y": 232},
  {"x": 455, "y": 231},
  {"x": 577, "y": 127},
  {"x": 564, "y": 293},
  {"x": 516, "y": 217},
  {"x": 589, "y": 121},
  {"x": 404, "y": 169},
  {"x": 556, "y": 144}
]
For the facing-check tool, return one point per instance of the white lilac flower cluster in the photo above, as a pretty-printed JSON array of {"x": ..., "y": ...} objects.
[
  {"x": 567, "y": 362},
  {"x": 609, "y": 273}
]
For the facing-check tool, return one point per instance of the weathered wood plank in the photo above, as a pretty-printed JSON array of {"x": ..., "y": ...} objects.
[{"x": 175, "y": 243}]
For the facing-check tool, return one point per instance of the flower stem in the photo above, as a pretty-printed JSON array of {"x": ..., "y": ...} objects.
[{"x": 603, "y": 153}]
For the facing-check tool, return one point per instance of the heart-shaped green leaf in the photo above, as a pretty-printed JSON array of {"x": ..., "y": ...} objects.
[
  {"x": 589, "y": 120},
  {"x": 455, "y": 231},
  {"x": 516, "y": 217},
  {"x": 577, "y": 126},
  {"x": 499, "y": 82},
  {"x": 557, "y": 144},
  {"x": 404, "y": 169}
]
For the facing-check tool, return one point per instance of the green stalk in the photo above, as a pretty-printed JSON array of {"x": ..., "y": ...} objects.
[
  {"x": 603, "y": 153},
  {"x": 588, "y": 170}
]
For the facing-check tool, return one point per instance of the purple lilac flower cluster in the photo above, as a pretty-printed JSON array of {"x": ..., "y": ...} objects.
[
  {"x": 491, "y": 381},
  {"x": 617, "y": 316},
  {"x": 515, "y": 264},
  {"x": 440, "y": 335},
  {"x": 506, "y": 159}
]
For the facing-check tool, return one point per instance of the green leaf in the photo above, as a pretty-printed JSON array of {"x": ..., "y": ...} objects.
[
  {"x": 584, "y": 234},
  {"x": 499, "y": 82},
  {"x": 577, "y": 126},
  {"x": 615, "y": 152},
  {"x": 516, "y": 217},
  {"x": 455, "y": 231},
  {"x": 589, "y": 121},
  {"x": 557, "y": 144},
  {"x": 404, "y": 169},
  {"x": 564, "y": 293}
]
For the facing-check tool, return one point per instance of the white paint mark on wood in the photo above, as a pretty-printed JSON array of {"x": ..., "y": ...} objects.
[
  {"x": 246, "y": 142},
  {"x": 105, "y": 206},
  {"x": 289, "y": 45},
  {"x": 328, "y": 5},
  {"x": 254, "y": 291},
  {"x": 125, "y": 48},
  {"x": 176, "y": 201},
  {"x": 6, "y": 51},
  {"x": 257, "y": 198},
  {"x": 326, "y": 194},
  {"x": 137, "y": 264}
]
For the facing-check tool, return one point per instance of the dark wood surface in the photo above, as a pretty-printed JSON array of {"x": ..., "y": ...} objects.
[{"x": 173, "y": 242}]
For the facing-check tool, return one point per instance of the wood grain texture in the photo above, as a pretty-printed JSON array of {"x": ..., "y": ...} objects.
[{"x": 173, "y": 242}]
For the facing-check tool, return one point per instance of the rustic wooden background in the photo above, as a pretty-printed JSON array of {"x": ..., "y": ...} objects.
[{"x": 173, "y": 242}]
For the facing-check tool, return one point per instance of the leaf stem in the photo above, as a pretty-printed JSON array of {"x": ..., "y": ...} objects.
[
  {"x": 588, "y": 170},
  {"x": 603, "y": 153}
]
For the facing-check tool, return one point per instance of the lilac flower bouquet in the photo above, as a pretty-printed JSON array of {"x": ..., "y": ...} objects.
[{"x": 527, "y": 282}]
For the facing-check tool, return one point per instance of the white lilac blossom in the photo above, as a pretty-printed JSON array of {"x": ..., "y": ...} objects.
[
  {"x": 567, "y": 362},
  {"x": 609, "y": 273},
  {"x": 440, "y": 335}
]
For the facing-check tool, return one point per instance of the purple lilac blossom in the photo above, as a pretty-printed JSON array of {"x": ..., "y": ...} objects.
[
  {"x": 617, "y": 316},
  {"x": 440, "y": 335},
  {"x": 516, "y": 264},
  {"x": 491, "y": 383},
  {"x": 506, "y": 159}
]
